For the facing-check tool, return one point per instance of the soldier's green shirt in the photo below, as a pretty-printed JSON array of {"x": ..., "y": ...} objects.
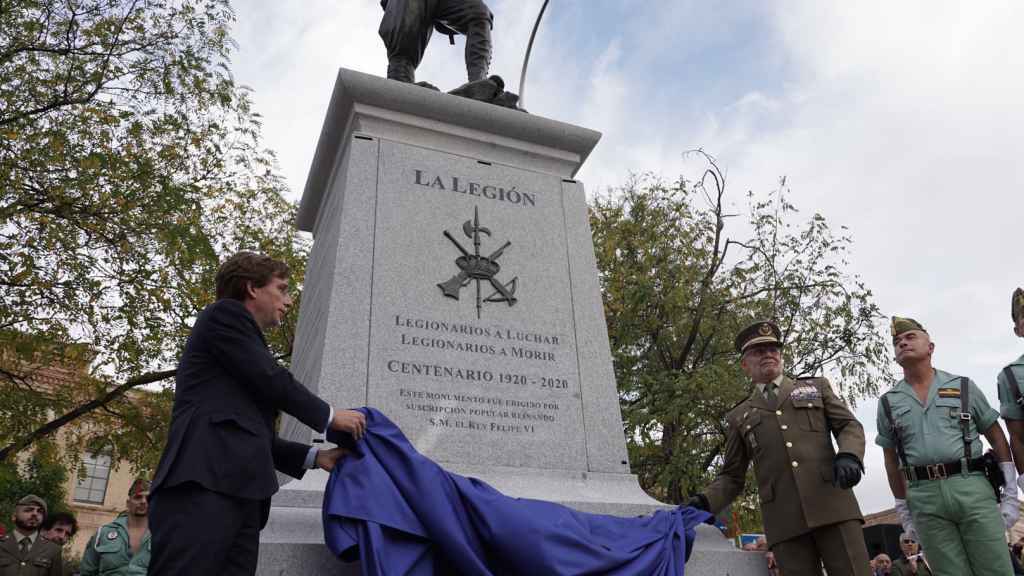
[
  {"x": 931, "y": 431},
  {"x": 109, "y": 553},
  {"x": 1007, "y": 406}
]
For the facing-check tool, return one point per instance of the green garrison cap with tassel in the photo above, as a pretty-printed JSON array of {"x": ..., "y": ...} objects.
[
  {"x": 1017, "y": 304},
  {"x": 901, "y": 325}
]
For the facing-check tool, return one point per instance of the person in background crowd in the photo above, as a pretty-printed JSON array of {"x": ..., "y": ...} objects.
[
  {"x": 785, "y": 427},
  {"x": 122, "y": 547},
  {"x": 883, "y": 565},
  {"x": 60, "y": 528},
  {"x": 24, "y": 552},
  {"x": 929, "y": 427},
  {"x": 913, "y": 562},
  {"x": 908, "y": 545}
]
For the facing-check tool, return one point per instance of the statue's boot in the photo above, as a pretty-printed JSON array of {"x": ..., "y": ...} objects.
[
  {"x": 508, "y": 100},
  {"x": 484, "y": 90},
  {"x": 401, "y": 70}
]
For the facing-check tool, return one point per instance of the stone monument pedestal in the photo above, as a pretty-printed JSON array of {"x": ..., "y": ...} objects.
[{"x": 452, "y": 285}]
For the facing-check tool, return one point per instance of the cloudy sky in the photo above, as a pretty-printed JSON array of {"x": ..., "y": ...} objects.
[{"x": 900, "y": 120}]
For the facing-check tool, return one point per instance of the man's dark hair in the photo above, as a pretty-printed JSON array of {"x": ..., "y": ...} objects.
[
  {"x": 61, "y": 518},
  {"x": 243, "y": 268}
]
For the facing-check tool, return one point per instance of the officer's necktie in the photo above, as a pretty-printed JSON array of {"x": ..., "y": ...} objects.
[
  {"x": 769, "y": 392},
  {"x": 25, "y": 543}
]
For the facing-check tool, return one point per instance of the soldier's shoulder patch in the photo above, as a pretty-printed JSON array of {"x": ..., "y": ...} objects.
[{"x": 949, "y": 392}]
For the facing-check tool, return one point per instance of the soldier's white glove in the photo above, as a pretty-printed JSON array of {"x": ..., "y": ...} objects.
[
  {"x": 906, "y": 520},
  {"x": 1010, "y": 506}
]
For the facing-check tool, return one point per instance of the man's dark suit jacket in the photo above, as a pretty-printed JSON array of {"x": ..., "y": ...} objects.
[{"x": 228, "y": 390}]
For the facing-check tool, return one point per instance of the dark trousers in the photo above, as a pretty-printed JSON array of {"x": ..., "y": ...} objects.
[
  {"x": 408, "y": 25},
  {"x": 840, "y": 546},
  {"x": 197, "y": 531}
]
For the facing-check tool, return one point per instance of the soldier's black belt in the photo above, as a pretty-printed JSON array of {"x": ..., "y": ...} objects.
[{"x": 940, "y": 471}]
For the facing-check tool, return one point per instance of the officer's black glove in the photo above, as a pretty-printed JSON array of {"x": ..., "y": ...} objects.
[
  {"x": 846, "y": 471},
  {"x": 700, "y": 502}
]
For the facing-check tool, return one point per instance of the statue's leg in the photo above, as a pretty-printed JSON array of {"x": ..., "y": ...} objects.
[
  {"x": 406, "y": 29},
  {"x": 474, "y": 19}
]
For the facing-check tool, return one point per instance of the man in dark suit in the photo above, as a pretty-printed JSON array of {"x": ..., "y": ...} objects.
[{"x": 211, "y": 493}]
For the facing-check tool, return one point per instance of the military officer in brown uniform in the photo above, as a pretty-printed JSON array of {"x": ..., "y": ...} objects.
[
  {"x": 810, "y": 514},
  {"x": 24, "y": 551}
]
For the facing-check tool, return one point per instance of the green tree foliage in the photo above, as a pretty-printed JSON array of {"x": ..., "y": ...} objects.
[
  {"x": 130, "y": 163},
  {"x": 680, "y": 277}
]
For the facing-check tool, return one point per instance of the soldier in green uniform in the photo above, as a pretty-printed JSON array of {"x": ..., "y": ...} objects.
[
  {"x": 1011, "y": 389},
  {"x": 929, "y": 427},
  {"x": 810, "y": 514},
  {"x": 24, "y": 552},
  {"x": 122, "y": 547}
]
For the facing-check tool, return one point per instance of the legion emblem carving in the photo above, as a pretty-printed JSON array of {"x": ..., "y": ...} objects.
[{"x": 479, "y": 269}]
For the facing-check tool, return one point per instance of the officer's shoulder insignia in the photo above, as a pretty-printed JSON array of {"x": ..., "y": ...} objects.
[
  {"x": 736, "y": 411},
  {"x": 112, "y": 535},
  {"x": 949, "y": 392}
]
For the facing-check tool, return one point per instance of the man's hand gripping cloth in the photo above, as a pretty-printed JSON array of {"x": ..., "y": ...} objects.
[{"x": 399, "y": 513}]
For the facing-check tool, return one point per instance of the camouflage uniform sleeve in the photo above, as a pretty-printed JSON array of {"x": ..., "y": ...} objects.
[
  {"x": 1008, "y": 408},
  {"x": 984, "y": 415},
  {"x": 731, "y": 478},
  {"x": 847, "y": 429},
  {"x": 883, "y": 436}
]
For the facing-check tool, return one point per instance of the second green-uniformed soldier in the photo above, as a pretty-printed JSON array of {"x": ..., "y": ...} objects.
[
  {"x": 933, "y": 452},
  {"x": 1011, "y": 389},
  {"x": 24, "y": 551},
  {"x": 810, "y": 514},
  {"x": 122, "y": 547}
]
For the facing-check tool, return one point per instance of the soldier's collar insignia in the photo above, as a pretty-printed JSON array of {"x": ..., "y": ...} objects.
[
  {"x": 112, "y": 535},
  {"x": 949, "y": 392}
]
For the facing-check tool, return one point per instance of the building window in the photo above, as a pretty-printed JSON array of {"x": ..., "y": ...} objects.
[{"x": 92, "y": 489}]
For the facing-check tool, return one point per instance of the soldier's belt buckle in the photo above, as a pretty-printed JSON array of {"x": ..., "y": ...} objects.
[{"x": 936, "y": 471}]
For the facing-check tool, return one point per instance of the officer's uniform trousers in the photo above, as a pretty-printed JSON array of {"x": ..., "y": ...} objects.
[{"x": 408, "y": 24}]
